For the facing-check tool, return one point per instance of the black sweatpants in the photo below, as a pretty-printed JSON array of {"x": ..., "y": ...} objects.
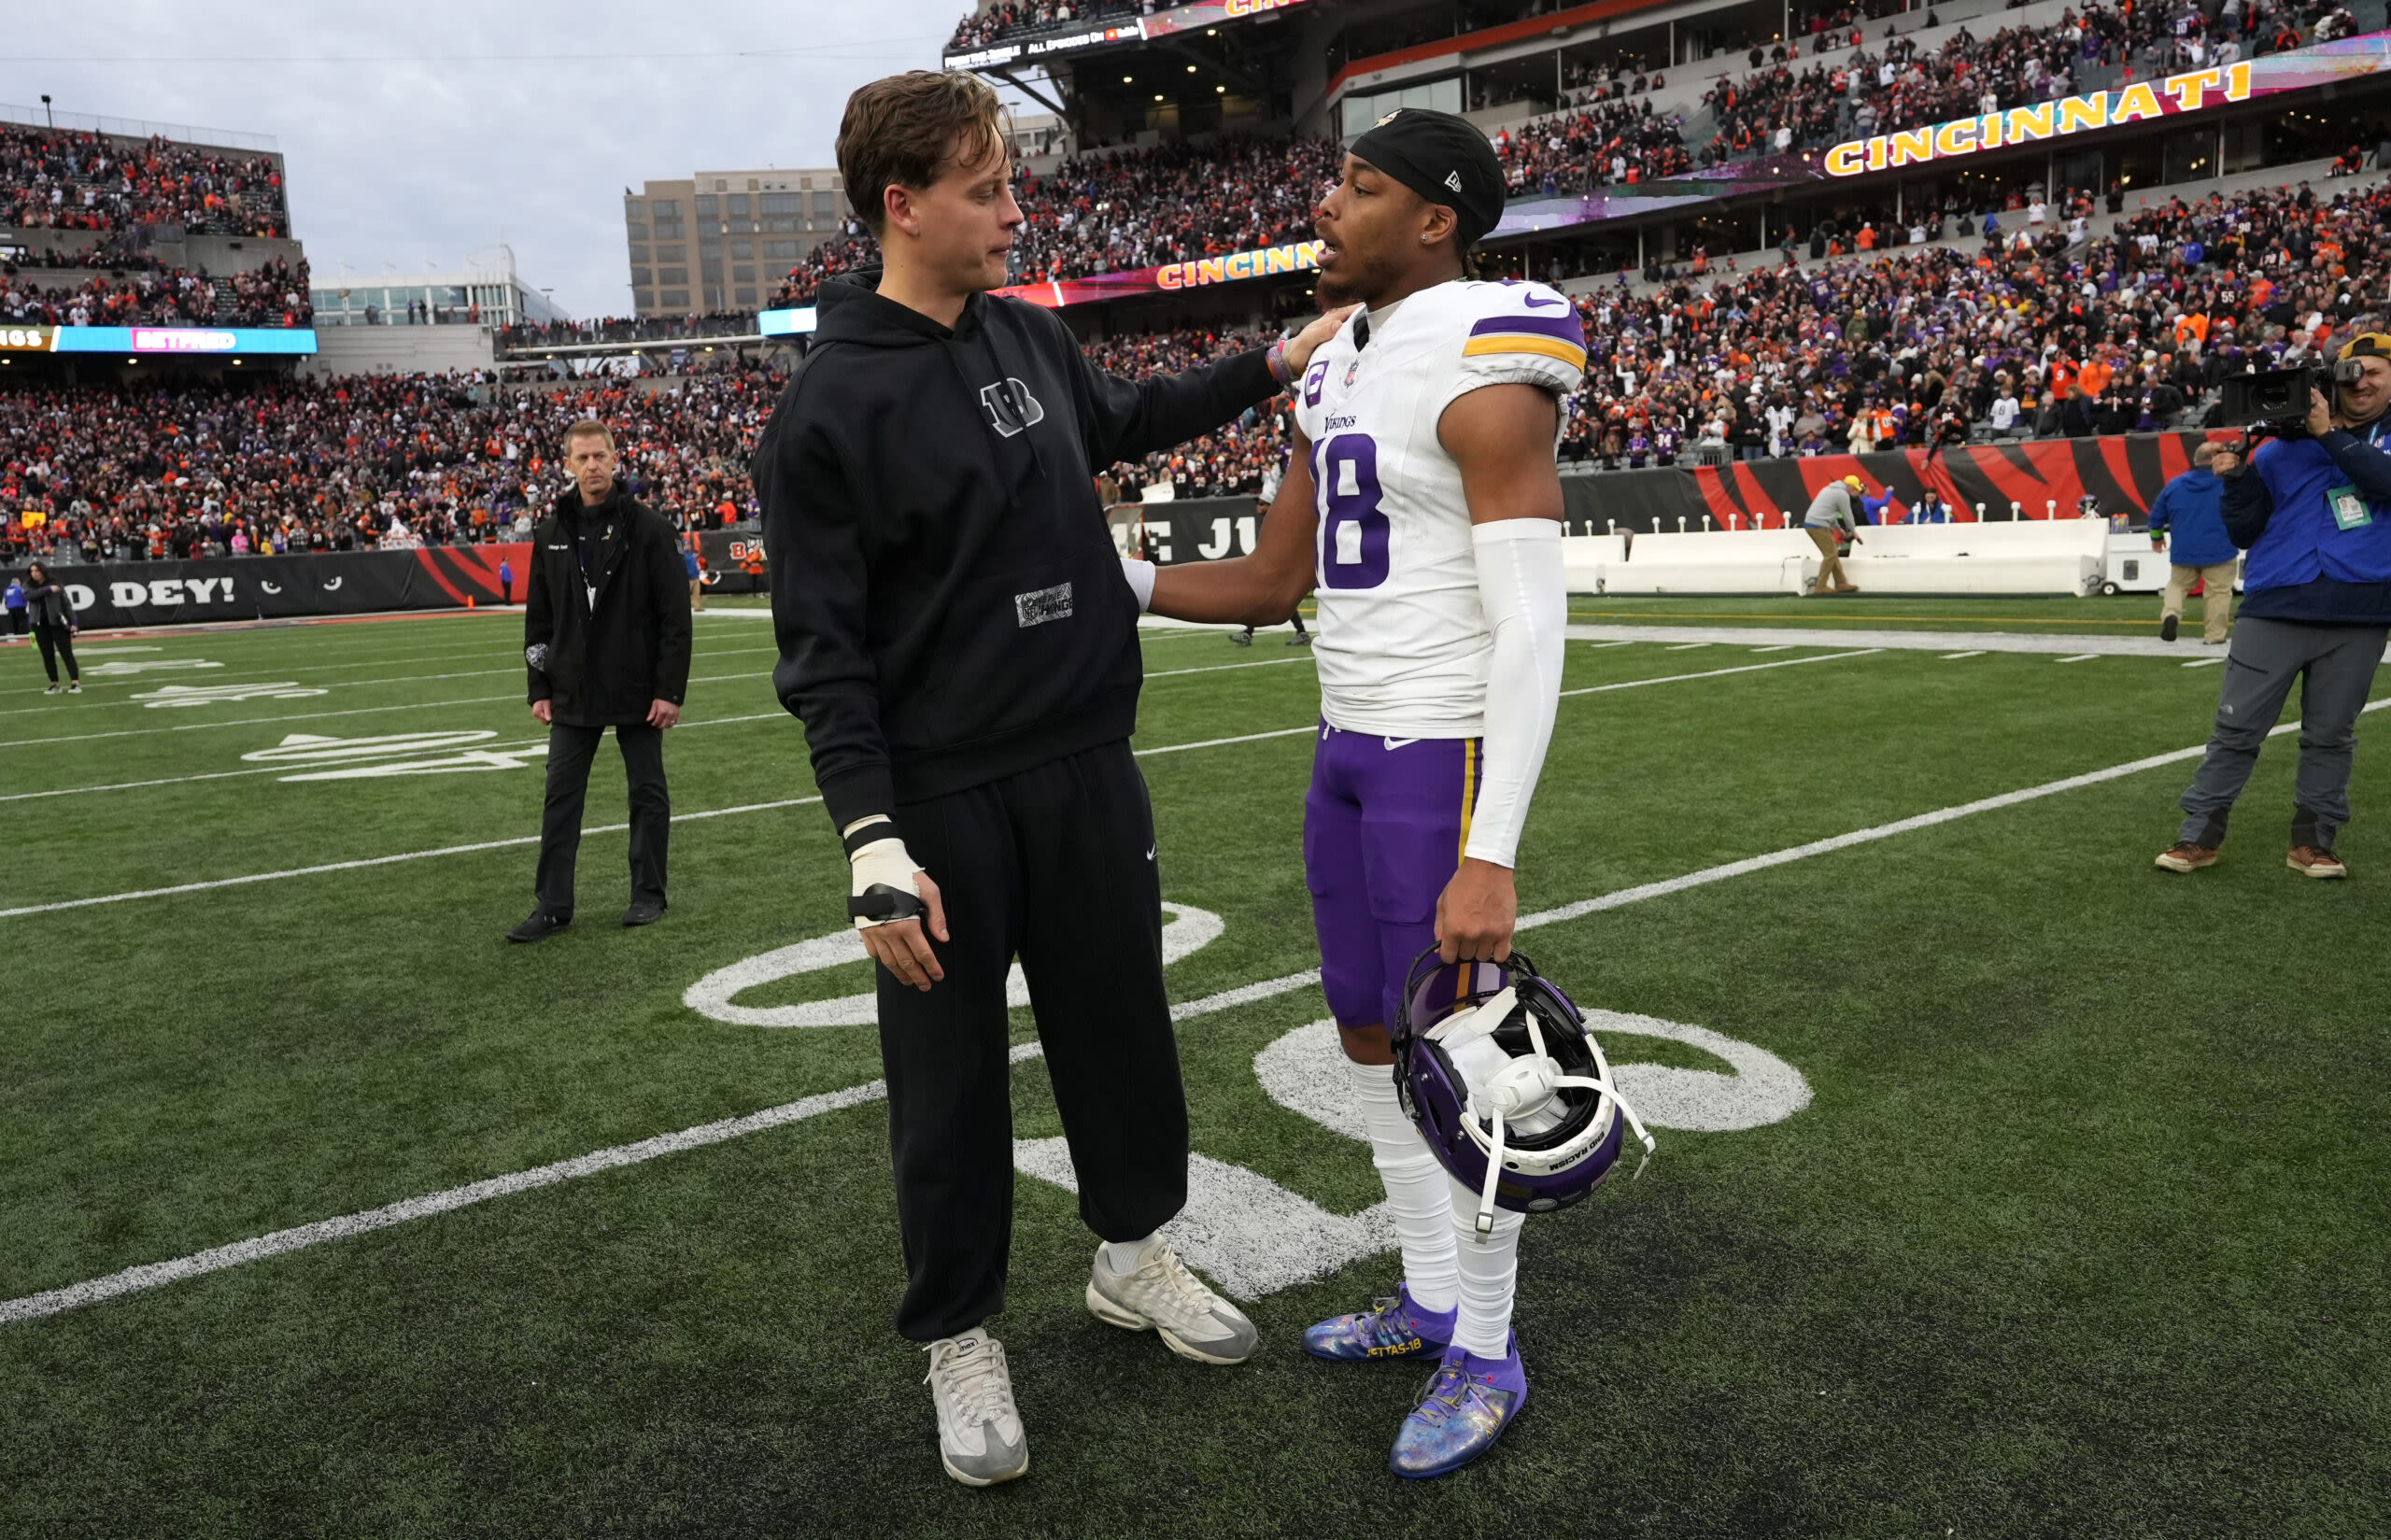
[
  {"x": 1055, "y": 865},
  {"x": 57, "y": 639},
  {"x": 570, "y": 750}
]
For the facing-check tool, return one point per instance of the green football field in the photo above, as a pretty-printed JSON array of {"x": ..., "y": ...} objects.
[{"x": 2005, "y": 1185}]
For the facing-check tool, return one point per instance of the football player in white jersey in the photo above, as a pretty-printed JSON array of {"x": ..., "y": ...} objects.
[{"x": 1422, "y": 503}]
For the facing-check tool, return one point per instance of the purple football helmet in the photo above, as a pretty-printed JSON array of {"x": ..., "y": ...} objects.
[{"x": 1496, "y": 1068}]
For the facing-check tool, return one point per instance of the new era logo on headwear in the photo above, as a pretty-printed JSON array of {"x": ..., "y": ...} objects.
[{"x": 1452, "y": 179}]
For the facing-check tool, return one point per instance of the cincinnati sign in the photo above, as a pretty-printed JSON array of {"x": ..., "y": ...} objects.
[
  {"x": 2190, "y": 92},
  {"x": 1295, "y": 257}
]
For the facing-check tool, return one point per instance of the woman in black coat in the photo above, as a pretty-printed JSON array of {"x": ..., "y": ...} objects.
[{"x": 53, "y": 621}]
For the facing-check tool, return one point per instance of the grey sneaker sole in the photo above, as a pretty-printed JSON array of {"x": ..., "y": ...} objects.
[
  {"x": 1114, "y": 1313},
  {"x": 970, "y": 1480}
]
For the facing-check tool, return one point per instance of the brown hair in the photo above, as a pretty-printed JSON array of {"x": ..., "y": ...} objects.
[
  {"x": 903, "y": 130},
  {"x": 588, "y": 427}
]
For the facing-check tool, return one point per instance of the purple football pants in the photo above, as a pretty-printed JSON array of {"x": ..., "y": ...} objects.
[{"x": 1384, "y": 824}]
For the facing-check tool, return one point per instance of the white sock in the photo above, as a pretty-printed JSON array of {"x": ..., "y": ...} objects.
[
  {"x": 1124, "y": 1256},
  {"x": 1416, "y": 1189},
  {"x": 1490, "y": 1274}
]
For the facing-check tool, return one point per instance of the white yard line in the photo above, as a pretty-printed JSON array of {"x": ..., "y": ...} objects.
[
  {"x": 2204, "y": 662},
  {"x": 1217, "y": 667},
  {"x": 1892, "y": 640},
  {"x": 172, "y": 675},
  {"x": 311, "y": 717},
  {"x": 2080, "y": 657},
  {"x": 769, "y": 716},
  {"x": 299, "y": 1237},
  {"x": 1715, "y": 673},
  {"x": 379, "y": 860},
  {"x": 1950, "y": 657}
]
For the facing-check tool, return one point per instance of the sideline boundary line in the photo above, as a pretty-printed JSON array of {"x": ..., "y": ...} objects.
[{"x": 299, "y": 1237}]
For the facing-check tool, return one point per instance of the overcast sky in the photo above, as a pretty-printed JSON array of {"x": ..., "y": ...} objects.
[{"x": 421, "y": 131}]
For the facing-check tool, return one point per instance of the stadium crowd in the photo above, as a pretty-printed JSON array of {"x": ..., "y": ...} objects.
[
  {"x": 1614, "y": 135},
  {"x": 2128, "y": 332},
  {"x": 274, "y": 294},
  {"x": 129, "y": 473},
  {"x": 65, "y": 179},
  {"x": 998, "y": 23},
  {"x": 1110, "y": 210},
  {"x": 1611, "y": 142},
  {"x": 2070, "y": 335},
  {"x": 559, "y": 333}
]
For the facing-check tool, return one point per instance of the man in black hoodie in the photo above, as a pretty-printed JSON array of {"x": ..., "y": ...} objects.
[
  {"x": 959, "y": 637},
  {"x": 606, "y": 642}
]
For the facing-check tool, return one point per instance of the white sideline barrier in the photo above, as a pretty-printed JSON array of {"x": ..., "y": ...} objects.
[
  {"x": 1584, "y": 559},
  {"x": 2062, "y": 556},
  {"x": 2068, "y": 556},
  {"x": 1718, "y": 561}
]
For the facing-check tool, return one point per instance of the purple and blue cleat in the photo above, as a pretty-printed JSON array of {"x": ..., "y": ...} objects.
[
  {"x": 1468, "y": 1404},
  {"x": 1391, "y": 1328}
]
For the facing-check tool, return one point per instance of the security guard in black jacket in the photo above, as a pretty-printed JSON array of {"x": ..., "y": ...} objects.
[{"x": 607, "y": 636}]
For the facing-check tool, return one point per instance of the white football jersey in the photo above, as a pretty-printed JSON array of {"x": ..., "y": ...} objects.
[{"x": 1403, "y": 644}]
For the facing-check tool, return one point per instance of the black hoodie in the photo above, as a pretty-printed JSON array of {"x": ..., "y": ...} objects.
[{"x": 948, "y": 603}]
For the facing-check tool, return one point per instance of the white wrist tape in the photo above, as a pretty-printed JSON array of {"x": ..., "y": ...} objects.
[
  {"x": 884, "y": 865},
  {"x": 1526, "y": 603},
  {"x": 1141, "y": 581}
]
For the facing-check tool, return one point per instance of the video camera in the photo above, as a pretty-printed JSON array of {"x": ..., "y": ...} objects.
[{"x": 2277, "y": 399}]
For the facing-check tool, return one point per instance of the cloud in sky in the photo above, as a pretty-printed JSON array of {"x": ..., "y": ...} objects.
[{"x": 423, "y": 132}]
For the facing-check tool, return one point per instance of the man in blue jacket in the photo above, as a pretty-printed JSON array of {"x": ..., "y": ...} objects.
[
  {"x": 2315, "y": 512},
  {"x": 2201, "y": 551}
]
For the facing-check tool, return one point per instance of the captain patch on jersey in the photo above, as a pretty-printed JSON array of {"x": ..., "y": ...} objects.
[{"x": 1403, "y": 644}]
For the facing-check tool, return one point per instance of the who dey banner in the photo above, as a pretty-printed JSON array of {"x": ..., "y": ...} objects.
[{"x": 274, "y": 587}]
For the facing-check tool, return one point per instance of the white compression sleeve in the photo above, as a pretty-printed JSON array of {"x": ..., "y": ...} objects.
[
  {"x": 1141, "y": 581},
  {"x": 1526, "y": 601},
  {"x": 1417, "y": 1189}
]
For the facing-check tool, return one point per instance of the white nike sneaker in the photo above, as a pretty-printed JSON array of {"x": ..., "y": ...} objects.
[
  {"x": 980, "y": 1437},
  {"x": 1163, "y": 1296}
]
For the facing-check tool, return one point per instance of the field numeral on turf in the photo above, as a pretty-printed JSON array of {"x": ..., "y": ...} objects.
[
  {"x": 715, "y": 995},
  {"x": 1251, "y": 1234},
  {"x": 395, "y": 754}
]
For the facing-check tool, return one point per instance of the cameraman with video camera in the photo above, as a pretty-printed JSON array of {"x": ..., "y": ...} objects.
[{"x": 2311, "y": 502}]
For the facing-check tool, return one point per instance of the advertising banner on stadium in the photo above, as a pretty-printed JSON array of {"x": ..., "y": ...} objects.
[
  {"x": 2042, "y": 477},
  {"x": 1128, "y": 29},
  {"x": 2171, "y": 96},
  {"x": 272, "y": 587},
  {"x": 1235, "y": 266},
  {"x": 1210, "y": 529},
  {"x": 24, "y": 339},
  {"x": 199, "y": 339},
  {"x": 734, "y": 562}
]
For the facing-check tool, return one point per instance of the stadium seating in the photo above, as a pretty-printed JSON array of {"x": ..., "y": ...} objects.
[
  {"x": 63, "y": 178},
  {"x": 274, "y": 294},
  {"x": 333, "y": 464},
  {"x": 1913, "y": 343}
]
